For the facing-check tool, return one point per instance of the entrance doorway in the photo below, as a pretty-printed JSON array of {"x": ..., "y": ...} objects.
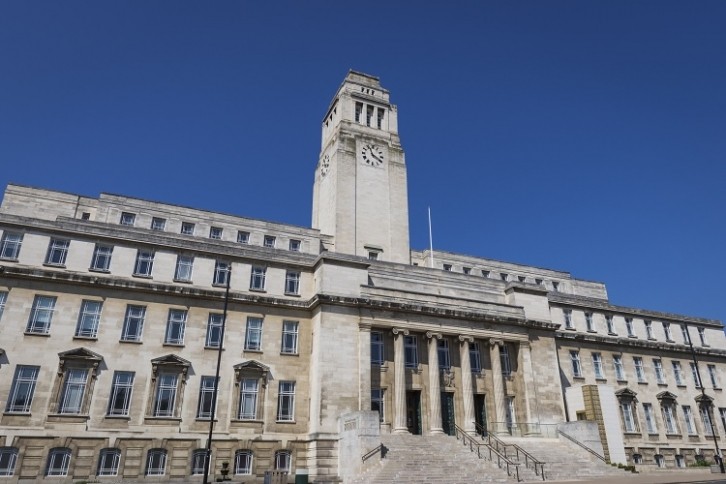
[
  {"x": 480, "y": 414},
  {"x": 413, "y": 412},
  {"x": 447, "y": 413}
]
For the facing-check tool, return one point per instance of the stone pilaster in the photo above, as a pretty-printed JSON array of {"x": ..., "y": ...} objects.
[
  {"x": 435, "y": 426},
  {"x": 399, "y": 374},
  {"x": 364, "y": 374},
  {"x": 500, "y": 413},
  {"x": 530, "y": 393},
  {"x": 466, "y": 383}
]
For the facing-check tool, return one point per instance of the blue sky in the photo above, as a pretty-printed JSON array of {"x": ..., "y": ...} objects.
[{"x": 580, "y": 136}]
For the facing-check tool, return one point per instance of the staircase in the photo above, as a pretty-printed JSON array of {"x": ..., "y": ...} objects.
[
  {"x": 562, "y": 460},
  {"x": 430, "y": 458}
]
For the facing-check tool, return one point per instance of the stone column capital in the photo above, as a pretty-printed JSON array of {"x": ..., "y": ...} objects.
[
  {"x": 524, "y": 344},
  {"x": 432, "y": 335},
  {"x": 397, "y": 331},
  {"x": 364, "y": 327},
  {"x": 496, "y": 342},
  {"x": 463, "y": 338}
]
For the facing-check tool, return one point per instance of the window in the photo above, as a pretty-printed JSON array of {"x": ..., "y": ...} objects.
[
  {"x": 253, "y": 335},
  {"x": 289, "y": 337},
  {"x": 688, "y": 417},
  {"x": 511, "y": 415},
  {"x": 74, "y": 387},
  {"x": 448, "y": 267},
  {"x": 555, "y": 286},
  {"x": 3, "y": 300},
  {"x": 637, "y": 459},
  {"x": 88, "y": 319},
  {"x": 442, "y": 346},
  {"x": 215, "y": 232},
  {"x": 286, "y": 402},
  {"x": 295, "y": 245},
  {"x": 199, "y": 458},
  {"x": 292, "y": 282},
  {"x": 377, "y": 348},
  {"x": 133, "y": 323},
  {"x": 378, "y": 403},
  {"x": 128, "y": 218},
  {"x": 706, "y": 420},
  {"x": 175, "y": 326},
  {"x": 538, "y": 281},
  {"x": 410, "y": 351},
  {"x": 567, "y": 314},
  {"x": 249, "y": 389},
  {"x": 467, "y": 270},
  {"x": 597, "y": 365},
  {"x": 59, "y": 460},
  {"x": 588, "y": 322},
  {"x": 184, "y": 266},
  {"x": 649, "y": 419},
  {"x": 214, "y": 330},
  {"x": 475, "y": 357},
  {"x": 629, "y": 327},
  {"x": 576, "y": 366},
  {"x": 206, "y": 395},
  {"x": 667, "y": 332},
  {"x": 379, "y": 119},
  {"x": 10, "y": 245},
  {"x": 369, "y": 115},
  {"x": 659, "y": 373},
  {"x": 626, "y": 411},
  {"x": 243, "y": 237},
  {"x": 722, "y": 413},
  {"x": 694, "y": 373},
  {"x": 57, "y": 252},
  {"x": 504, "y": 276},
  {"x": 165, "y": 395},
  {"x": 702, "y": 336},
  {"x": 283, "y": 460},
  {"x": 504, "y": 360},
  {"x": 187, "y": 228},
  {"x": 101, "y": 260},
  {"x": 257, "y": 279},
  {"x": 243, "y": 462},
  {"x": 669, "y": 417},
  {"x": 121, "y": 387},
  {"x": 108, "y": 462},
  {"x": 678, "y": 373},
  {"x": 23, "y": 389},
  {"x": 8, "y": 459},
  {"x": 485, "y": 273},
  {"x": 685, "y": 334},
  {"x": 41, "y": 315},
  {"x": 712, "y": 376},
  {"x": 358, "y": 111},
  {"x": 221, "y": 273},
  {"x": 144, "y": 263},
  {"x": 609, "y": 323},
  {"x": 649, "y": 329},
  {"x": 373, "y": 255},
  {"x": 619, "y": 369},
  {"x": 639, "y": 371},
  {"x": 680, "y": 461},
  {"x": 155, "y": 462},
  {"x": 521, "y": 278},
  {"x": 269, "y": 241},
  {"x": 158, "y": 223}
]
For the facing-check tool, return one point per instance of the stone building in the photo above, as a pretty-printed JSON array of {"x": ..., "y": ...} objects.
[{"x": 111, "y": 313}]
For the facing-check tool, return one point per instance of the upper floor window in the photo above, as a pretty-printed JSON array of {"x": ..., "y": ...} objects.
[
  {"x": 377, "y": 348},
  {"x": 243, "y": 237},
  {"x": 619, "y": 369},
  {"x": 158, "y": 223},
  {"x": 121, "y": 388},
  {"x": 505, "y": 360},
  {"x": 292, "y": 282},
  {"x": 155, "y": 462},
  {"x": 214, "y": 330},
  {"x": 567, "y": 313},
  {"x": 221, "y": 273},
  {"x": 702, "y": 336},
  {"x": 41, "y": 315},
  {"x": 369, "y": 115},
  {"x": 243, "y": 462},
  {"x": 165, "y": 395},
  {"x": 8, "y": 459},
  {"x": 88, "y": 319},
  {"x": 215, "y": 232},
  {"x": 257, "y": 278},
  {"x": 650, "y": 425},
  {"x": 522, "y": 278},
  {"x": 629, "y": 326},
  {"x": 286, "y": 401},
  {"x": 249, "y": 392},
  {"x": 712, "y": 375},
  {"x": 76, "y": 371},
  {"x": 175, "y": 326},
  {"x": 485, "y": 273},
  {"x": 659, "y": 373},
  {"x": 597, "y": 365},
  {"x": 678, "y": 373},
  {"x": 3, "y": 300},
  {"x": 373, "y": 254},
  {"x": 639, "y": 370},
  {"x": 206, "y": 395},
  {"x": 74, "y": 388},
  {"x": 684, "y": 333},
  {"x": 504, "y": 276},
  {"x": 295, "y": 245},
  {"x": 379, "y": 119},
  {"x": 59, "y": 461},
  {"x": 270, "y": 241},
  {"x": 169, "y": 375},
  {"x": 10, "y": 245},
  {"x": 688, "y": 418},
  {"x": 57, "y": 252},
  {"x": 588, "y": 322},
  {"x": 253, "y": 335},
  {"x": 609, "y": 323},
  {"x": 283, "y": 460},
  {"x": 475, "y": 357},
  {"x": 133, "y": 323},
  {"x": 358, "y": 111},
  {"x": 667, "y": 331},
  {"x": 289, "y": 337},
  {"x": 187, "y": 228},
  {"x": 555, "y": 286},
  {"x": 144, "y": 263},
  {"x": 128, "y": 218},
  {"x": 448, "y": 267},
  {"x": 410, "y": 351},
  {"x": 576, "y": 365},
  {"x": 649, "y": 329},
  {"x": 467, "y": 270},
  {"x": 184, "y": 267},
  {"x": 101, "y": 260},
  {"x": 22, "y": 389},
  {"x": 442, "y": 346},
  {"x": 696, "y": 376}
]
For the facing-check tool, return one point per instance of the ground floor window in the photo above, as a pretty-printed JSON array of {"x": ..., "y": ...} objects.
[
  {"x": 659, "y": 460},
  {"x": 156, "y": 462},
  {"x": 282, "y": 460},
  {"x": 108, "y": 462},
  {"x": 8, "y": 458},
  {"x": 199, "y": 457},
  {"x": 680, "y": 461},
  {"x": 59, "y": 460},
  {"x": 377, "y": 404},
  {"x": 243, "y": 462}
]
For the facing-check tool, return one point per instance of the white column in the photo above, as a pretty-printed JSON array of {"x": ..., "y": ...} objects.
[
  {"x": 530, "y": 392},
  {"x": 468, "y": 390},
  {"x": 500, "y": 413},
  {"x": 435, "y": 426},
  {"x": 399, "y": 374}
]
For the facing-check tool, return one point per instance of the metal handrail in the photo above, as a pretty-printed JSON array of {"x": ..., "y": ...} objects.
[
  {"x": 572, "y": 439},
  {"x": 502, "y": 460},
  {"x": 372, "y": 452},
  {"x": 536, "y": 465}
]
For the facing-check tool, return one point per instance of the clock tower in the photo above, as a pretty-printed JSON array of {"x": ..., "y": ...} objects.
[{"x": 360, "y": 193}]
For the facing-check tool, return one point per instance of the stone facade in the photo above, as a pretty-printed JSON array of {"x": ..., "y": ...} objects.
[{"x": 111, "y": 311}]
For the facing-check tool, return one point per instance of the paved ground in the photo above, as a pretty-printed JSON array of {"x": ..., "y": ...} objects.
[{"x": 669, "y": 477}]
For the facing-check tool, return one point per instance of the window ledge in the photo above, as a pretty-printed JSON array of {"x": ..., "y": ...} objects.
[
  {"x": 662, "y": 384},
  {"x": 612, "y": 334},
  {"x": 570, "y": 328},
  {"x": 292, "y": 294},
  {"x": 670, "y": 341},
  {"x": 651, "y": 339},
  {"x": 249, "y": 350},
  {"x": 142, "y": 276},
  {"x": 131, "y": 341},
  {"x": 679, "y": 435},
  {"x": 117, "y": 417},
  {"x": 642, "y": 382},
  {"x": 17, "y": 414},
  {"x": 624, "y": 382},
  {"x": 578, "y": 377},
  {"x": 253, "y": 289},
  {"x": 182, "y": 281},
  {"x": 704, "y": 345},
  {"x": 101, "y": 271},
  {"x": 161, "y": 419},
  {"x": 176, "y": 345},
  {"x": 50, "y": 264},
  {"x": 223, "y": 285},
  {"x": 247, "y": 420},
  {"x": 632, "y": 336},
  {"x": 591, "y": 331},
  {"x": 9, "y": 259},
  {"x": 601, "y": 380},
  {"x": 718, "y": 389},
  {"x": 681, "y": 385},
  {"x": 33, "y": 333},
  {"x": 87, "y": 338},
  {"x": 632, "y": 433},
  {"x": 216, "y": 348},
  {"x": 287, "y": 353},
  {"x": 285, "y": 421}
]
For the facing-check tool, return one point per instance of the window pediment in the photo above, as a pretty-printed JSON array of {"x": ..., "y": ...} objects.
[
  {"x": 667, "y": 396},
  {"x": 252, "y": 367},
  {"x": 704, "y": 399},
  {"x": 626, "y": 394},
  {"x": 81, "y": 354},
  {"x": 170, "y": 360}
]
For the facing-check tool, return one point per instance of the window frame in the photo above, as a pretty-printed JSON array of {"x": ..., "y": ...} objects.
[
  {"x": 144, "y": 264},
  {"x": 101, "y": 259},
  {"x": 187, "y": 228},
  {"x": 158, "y": 223},
  {"x": 25, "y": 384},
  {"x": 619, "y": 367},
  {"x": 57, "y": 252},
  {"x": 175, "y": 327},
  {"x": 3, "y": 302},
  {"x": 660, "y": 378},
  {"x": 249, "y": 394},
  {"x": 269, "y": 241},
  {"x": 127, "y": 219},
  {"x": 290, "y": 334},
  {"x": 567, "y": 316},
  {"x": 475, "y": 357},
  {"x": 253, "y": 334},
  {"x": 157, "y": 458},
  {"x": 505, "y": 360},
  {"x": 650, "y": 424},
  {"x": 283, "y": 460},
  {"x": 74, "y": 390},
  {"x": 410, "y": 351},
  {"x": 377, "y": 348},
  {"x": 207, "y": 388},
  {"x": 576, "y": 364},
  {"x": 292, "y": 282},
  {"x": 248, "y": 455},
  {"x": 444, "y": 354},
  {"x": 216, "y": 233},
  {"x": 112, "y": 470},
  {"x": 10, "y": 245},
  {"x": 43, "y": 307},
  {"x": 8, "y": 461},
  {"x": 378, "y": 402},
  {"x": 51, "y": 469},
  {"x": 295, "y": 245},
  {"x": 196, "y": 467},
  {"x": 165, "y": 391},
  {"x": 89, "y": 319},
  {"x": 286, "y": 401},
  {"x": 133, "y": 319},
  {"x": 214, "y": 330},
  {"x": 123, "y": 391},
  {"x": 184, "y": 268},
  {"x": 598, "y": 366},
  {"x": 258, "y": 274},
  {"x": 639, "y": 369},
  {"x": 243, "y": 237}
]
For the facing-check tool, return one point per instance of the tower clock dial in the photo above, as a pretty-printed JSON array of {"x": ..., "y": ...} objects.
[
  {"x": 325, "y": 166},
  {"x": 372, "y": 154}
]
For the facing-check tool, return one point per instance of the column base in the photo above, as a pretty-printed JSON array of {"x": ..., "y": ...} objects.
[
  {"x": 436, "y": 432},
  {"x": 400, "y": 430}
]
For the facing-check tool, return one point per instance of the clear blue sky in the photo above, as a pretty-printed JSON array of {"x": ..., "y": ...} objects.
[{"x": 587, "y": 136}]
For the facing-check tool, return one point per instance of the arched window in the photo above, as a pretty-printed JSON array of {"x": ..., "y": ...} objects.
[
  {"x": 283, "y": 460},
  {"x": 108, "y": 462},
  {"x": 243, "y": 462},
  {"x": 156, "y": 462},
  {"x": 199, "y": 457},
  {"x": 59, "y": 460},
  {"x": 8, "y": 458}
]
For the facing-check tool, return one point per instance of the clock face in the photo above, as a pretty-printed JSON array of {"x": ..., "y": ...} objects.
[
  {"x": 325, "y": 166},
  {"x": 372, "y": 154}
]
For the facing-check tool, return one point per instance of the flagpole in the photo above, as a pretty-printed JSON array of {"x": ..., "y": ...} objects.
[{"x": 431, "y": 242}]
